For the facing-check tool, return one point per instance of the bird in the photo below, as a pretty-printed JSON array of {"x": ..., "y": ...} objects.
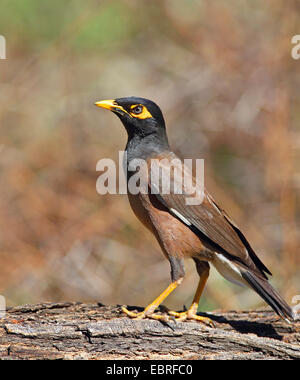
[{"x": 201, "y": 230}]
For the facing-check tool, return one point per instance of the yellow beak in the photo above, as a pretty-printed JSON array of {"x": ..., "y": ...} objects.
[
  {"x": 107, "y": 104},
  {"x": 111, "y": 105}
]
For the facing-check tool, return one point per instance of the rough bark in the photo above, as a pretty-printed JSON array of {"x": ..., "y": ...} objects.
[{"x": 91, "y": 331}]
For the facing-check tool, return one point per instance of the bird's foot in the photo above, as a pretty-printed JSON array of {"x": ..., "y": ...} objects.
[
  {"x": 147, "y": 313},
  {"x": 191, "y": 315}
]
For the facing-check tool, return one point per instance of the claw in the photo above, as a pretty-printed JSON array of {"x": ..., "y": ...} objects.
[
  {"x": 173, "y": 316},
  {"x": 132, "y": 314},
  {"x": 146, "y": 314},
  {"x": 190, "y": 315}
]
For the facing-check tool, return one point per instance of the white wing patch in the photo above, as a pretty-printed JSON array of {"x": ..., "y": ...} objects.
[{"x": 181, "y": 217}]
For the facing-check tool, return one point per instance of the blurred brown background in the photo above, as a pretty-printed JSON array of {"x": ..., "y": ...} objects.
[{"x": 224, "y": 77}]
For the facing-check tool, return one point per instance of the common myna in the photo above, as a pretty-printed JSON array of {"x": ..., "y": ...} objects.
[{"x": 201, "y": 231}]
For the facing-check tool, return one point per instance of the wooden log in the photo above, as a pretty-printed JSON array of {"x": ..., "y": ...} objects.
[{"x": 94, "y": 331}]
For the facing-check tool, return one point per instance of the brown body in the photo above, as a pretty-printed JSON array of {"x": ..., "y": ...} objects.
[{"x": 174, "y": 238}]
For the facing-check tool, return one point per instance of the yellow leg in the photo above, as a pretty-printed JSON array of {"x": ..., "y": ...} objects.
[
  {"x": 191, "y": 313},
  {"x": 149, "y": 310}
]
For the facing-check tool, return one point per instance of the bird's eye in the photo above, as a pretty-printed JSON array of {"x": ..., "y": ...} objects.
[{"x": 137, "y": 110}]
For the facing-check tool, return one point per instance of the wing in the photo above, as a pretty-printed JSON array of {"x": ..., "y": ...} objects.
[{"x": 205, "y": 218}]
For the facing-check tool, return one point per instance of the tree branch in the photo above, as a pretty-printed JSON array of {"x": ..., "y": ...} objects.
[{"x": 90, "y": 331}]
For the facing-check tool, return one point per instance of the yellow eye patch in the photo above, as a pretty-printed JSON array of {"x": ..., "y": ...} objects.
[{"x": 139, "y": 111}]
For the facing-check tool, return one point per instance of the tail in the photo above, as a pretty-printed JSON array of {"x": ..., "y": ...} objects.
[{"x": 269, "y": 294}]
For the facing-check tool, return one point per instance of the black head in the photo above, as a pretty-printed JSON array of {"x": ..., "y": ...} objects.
[
  {"x": 140, "y": 116},
  {"x": 144, "y": 123}
]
